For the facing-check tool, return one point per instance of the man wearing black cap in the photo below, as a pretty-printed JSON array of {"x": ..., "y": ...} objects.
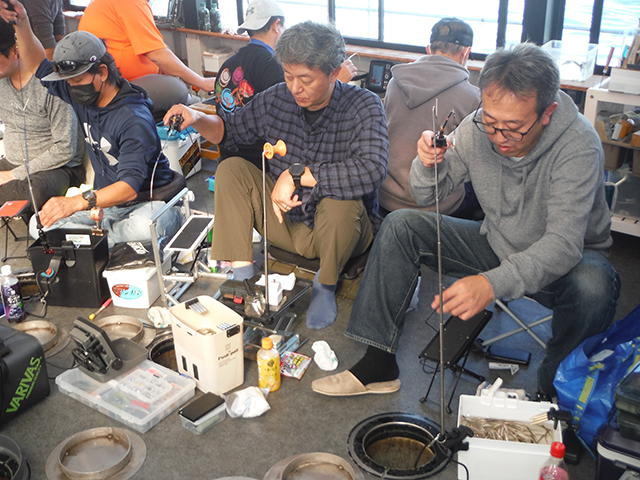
[
  {"x": 118, "y": 126},
  {"x": 51, "y": 128},
  {"x": 410, "y": 98}
]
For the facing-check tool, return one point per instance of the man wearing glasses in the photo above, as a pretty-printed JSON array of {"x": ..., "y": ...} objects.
[
  {"x": 536, "y": 165},
  {"x": 118, "y": 126}
]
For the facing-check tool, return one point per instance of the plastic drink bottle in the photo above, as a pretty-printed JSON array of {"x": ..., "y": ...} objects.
[
  {"x": 11, "y": 297},
  {"x": 214, "y": 17},
  {"x": 555, "y": 468},
  {"x": 203, "y": 18},
  {"x": 268, "y": 366}
]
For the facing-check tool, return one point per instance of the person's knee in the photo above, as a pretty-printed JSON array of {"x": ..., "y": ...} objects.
[{"x": 402, "y": 224}]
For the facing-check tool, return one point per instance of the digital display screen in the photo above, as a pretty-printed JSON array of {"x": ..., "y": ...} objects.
[{"x": 377, "y": 74}]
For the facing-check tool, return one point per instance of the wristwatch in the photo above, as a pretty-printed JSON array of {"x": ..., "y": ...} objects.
[
  {"x": 296, "y": 170},
  {"x": 90, "y": 197}
]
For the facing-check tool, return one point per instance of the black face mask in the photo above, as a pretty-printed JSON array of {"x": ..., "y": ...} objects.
[{"x": 85, "y": 95}]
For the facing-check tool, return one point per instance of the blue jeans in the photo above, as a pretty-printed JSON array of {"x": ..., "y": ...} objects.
[
  {"x": 124, "y": 224},
  {"x": 583, "y": 301}
]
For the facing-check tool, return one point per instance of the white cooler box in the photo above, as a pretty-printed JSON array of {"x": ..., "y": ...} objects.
[
  {"x": 135, "y": 287},
  {"x": 499, "y": 459},
  {"x": 209, "y": 344},
  {"x": 182, "y": 150}
]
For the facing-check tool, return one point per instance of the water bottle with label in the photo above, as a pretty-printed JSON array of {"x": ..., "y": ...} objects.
[
  {"x": 203, "y": 18},
  {"x": 11, "y": 297}
]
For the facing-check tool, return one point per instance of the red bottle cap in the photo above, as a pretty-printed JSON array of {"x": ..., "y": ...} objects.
[{"x": 557, "y": 449}]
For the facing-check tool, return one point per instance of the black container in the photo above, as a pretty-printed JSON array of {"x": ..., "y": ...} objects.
[
  {"x": 627, "y": 392},
  {"x": 78, "y": 279},
  {"x": 23, "y": 372}
]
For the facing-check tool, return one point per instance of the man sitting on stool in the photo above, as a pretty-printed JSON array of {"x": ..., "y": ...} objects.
[
  {"x": 323, "y": 191},
  {"x": 537, "y": 167},
  {"x": 125, "y": 150}
]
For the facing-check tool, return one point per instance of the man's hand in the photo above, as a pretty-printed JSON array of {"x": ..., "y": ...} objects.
[
  {"x": 6, "y": 177},
  {"x": 426, "y": 150},
  {"x": 465, "y": 297},
  {"x": 17, "y": 15},
  {"x": 282, "y": 196},
  {"x": 189, "y": 116},
  {"x": 347, "y": 71},
  {"x": 60, "y": 207}
]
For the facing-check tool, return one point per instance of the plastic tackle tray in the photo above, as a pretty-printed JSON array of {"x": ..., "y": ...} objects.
[{"x": 163, "y": 391}]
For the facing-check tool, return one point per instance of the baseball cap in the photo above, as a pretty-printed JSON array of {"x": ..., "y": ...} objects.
[
  {"x": 452, "y": 30},
  {"x": 258, "y": 14},
  {"x": 75, "y": 54}
]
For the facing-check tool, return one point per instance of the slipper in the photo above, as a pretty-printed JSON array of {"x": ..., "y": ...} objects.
[{"x": 346, "y": 384}]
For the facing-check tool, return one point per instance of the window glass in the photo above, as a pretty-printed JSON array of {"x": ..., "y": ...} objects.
[
  {"x": 617, "y": 16},
  {"x": 301, "y": 10},
  {"x": 357, "y": 18}
]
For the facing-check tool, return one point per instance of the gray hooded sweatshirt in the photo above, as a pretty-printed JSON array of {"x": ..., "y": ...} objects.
[
  {"x": 540, "y": 212},
  {"x": 408, "y": 103}
]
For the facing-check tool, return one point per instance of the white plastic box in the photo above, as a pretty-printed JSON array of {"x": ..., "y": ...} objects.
[
  {"x": 158, "y": 391},
  {"x": 209, "y": 346},
  {"x": 575, "y": 60},
  {"x": 498, "y": 459},
  {"x": 134, "y": 288},
  {"x": 213, "y": 60},
  {"x": 182, "y": 150},
  {"x": 625, "y": 80}
]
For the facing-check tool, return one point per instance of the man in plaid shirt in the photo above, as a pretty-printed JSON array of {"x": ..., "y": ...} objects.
[{"x": 323, "y": 190}]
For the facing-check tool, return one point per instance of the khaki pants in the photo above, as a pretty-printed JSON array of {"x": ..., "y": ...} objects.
[{"x": 341, "y": 227}]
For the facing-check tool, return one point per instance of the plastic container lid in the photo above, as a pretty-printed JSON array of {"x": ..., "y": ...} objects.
[
  {"x": 557, "y": 449},
  {"x": 267, "y": 343},
  {"x": 6, "y": 270}
]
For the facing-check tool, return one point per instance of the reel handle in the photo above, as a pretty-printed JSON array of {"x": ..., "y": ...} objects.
[
  {"x": 269, "y": 150},
  {"x": 174, "y": 122}
]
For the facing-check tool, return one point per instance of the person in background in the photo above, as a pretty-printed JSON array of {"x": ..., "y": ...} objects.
[
  {"x": 411, "y": 95},
  {"x": 323, "y": 191},
  {"x": 125, "y": 152},
  {"x": 537, "y": 167},
  {"x": 47, "y": 22},
  {"x": 253, "y": 69},
  {"x": 136, "y": 44},
  {"x": 55, "y": 144}
]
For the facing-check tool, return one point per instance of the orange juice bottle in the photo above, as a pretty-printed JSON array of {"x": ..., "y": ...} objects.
[{"x": 268, "y": 366}]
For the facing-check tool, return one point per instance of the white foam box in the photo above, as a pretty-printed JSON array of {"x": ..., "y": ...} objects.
[
  {"x": 161, "y": 392},
  {"x": 213, "y": 60},
  {"x": 499, "y": 459},
  {"x": 209, "y": 346},
  {"x": 625, "y": 80},
  {"x": 136, "y": 287}
]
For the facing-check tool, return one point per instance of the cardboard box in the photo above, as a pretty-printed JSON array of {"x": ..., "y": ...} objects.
[
  {"x": 613, "y": 156},
  {"x": 498, "y": 459}
]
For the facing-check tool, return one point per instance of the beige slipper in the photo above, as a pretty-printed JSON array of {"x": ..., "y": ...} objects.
[{"x": 345, "y": 384}]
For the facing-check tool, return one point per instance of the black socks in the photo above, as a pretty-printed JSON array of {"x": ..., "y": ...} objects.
[{"x": 376, "y": 366}]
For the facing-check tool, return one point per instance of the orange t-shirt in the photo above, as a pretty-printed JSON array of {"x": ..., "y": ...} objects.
[{"x": 129, "y": 31}]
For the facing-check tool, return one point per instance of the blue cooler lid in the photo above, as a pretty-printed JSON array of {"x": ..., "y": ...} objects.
[{"x": 163, "y": 129}]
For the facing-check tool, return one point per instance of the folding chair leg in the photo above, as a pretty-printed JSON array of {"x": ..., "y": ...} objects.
[{"x": 523, "y": 326}]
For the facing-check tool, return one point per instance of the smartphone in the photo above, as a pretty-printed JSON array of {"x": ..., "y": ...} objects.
[
  {"x": 508, "y": 355},
  {"x": 201, "y": 406}
]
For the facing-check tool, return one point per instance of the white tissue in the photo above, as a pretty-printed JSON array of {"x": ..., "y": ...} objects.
[
  {"x": 247, "y": 403},
  {"x": 287, "y": 282},
  {"x": 160, "y": 316},
  {"x": 324, "y": 357}
]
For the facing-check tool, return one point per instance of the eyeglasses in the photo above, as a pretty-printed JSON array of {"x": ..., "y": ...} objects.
[
  {"x": 508, "y": 134},
  {"x": 66, "y": 66}
]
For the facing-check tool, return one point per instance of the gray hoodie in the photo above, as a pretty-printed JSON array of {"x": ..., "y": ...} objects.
[
  {"x": 408, "y": 103},
  {"x": 540, "y": 212}
]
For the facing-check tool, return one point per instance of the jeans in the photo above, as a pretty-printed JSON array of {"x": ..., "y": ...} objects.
[
  {"x": 583, "y": 301},
  {"x": 124, "y": 224}
]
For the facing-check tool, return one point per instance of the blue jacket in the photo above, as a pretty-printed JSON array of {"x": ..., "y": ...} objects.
[{"x": 122, "y": 138}]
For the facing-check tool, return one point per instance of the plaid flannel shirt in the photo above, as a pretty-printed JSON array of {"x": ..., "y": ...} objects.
[{"x": 346, "y": 149}]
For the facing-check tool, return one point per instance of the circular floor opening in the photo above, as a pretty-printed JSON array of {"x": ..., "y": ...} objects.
[
  {"x": 162, "y": 351},
  {"x": 396, "y": 446}
]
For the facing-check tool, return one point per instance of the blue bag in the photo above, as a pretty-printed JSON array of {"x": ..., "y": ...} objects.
[{"x": 585, "y": 380}]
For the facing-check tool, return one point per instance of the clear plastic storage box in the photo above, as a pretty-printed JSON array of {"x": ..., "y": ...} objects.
[
  {"x": 576, "y": 61},
  {"x": 204, "y": 423},
  {"x": 139, "y": 398}
]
